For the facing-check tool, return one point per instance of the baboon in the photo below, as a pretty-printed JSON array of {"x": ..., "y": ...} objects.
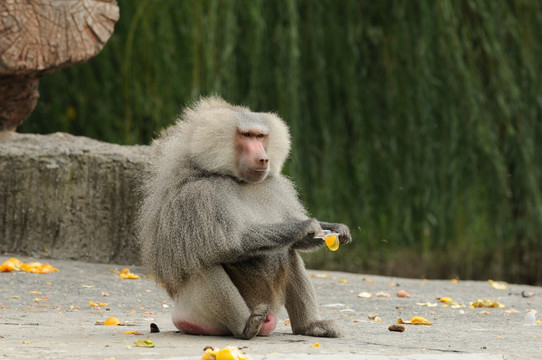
[{"x": 220, "y": 228}]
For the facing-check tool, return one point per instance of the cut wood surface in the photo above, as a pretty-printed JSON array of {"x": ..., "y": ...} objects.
[{"x": 45, "y": 35}]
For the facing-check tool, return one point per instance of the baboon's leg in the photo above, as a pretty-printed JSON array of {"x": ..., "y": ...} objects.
[
  {"x": 210, "y": 304},
  {"x": 302, "y": 305}
]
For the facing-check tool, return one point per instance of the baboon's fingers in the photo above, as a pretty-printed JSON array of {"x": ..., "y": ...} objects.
[{"x": 322, "y": 328}]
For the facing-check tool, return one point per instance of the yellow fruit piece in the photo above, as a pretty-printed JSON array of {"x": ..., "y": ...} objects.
[
  {"x": 113, "y": 321},
  {"x": 144, "y": 343},
  {"x": 365, "y": 295},
  {"x": 315, "y": 345},
  {"x": 228, "y": 353},
  {"x": 498, "y": 285},
  {"x": 416, "y": 320},
  {"x": 92, "y": 303},
  {"x": 445, "y": 299},
  {"x": 231, "y": 353},
  {"x": 332, "y": 242},
  {"x": 487, "y": 303},
  {"x": 428, "y": 304},
  {"x": 420, "y": 320},
  {"x": 210, "y": 353},
  {"x": 321, "y": 276},
  {"x": 12, "y": 264},
  {"x": 126, "y": 274}
]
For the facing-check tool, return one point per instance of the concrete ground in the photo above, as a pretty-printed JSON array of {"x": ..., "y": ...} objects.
[{"x": 48, "y": 316}]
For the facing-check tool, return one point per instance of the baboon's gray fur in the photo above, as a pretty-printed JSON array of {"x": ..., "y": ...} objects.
[{"x": 225, "y": 249}]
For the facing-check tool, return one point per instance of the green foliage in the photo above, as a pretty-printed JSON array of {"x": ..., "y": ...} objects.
[{"x": 415, "y": 122}]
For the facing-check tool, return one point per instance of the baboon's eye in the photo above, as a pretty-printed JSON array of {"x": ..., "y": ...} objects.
[
  {"x": 245, "y": 134},
  {"x": 259, "y": 136}
]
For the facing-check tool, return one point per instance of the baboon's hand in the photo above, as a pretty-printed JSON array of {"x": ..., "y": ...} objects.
[
  {"x": 344, "y": 232},
  {"x": 310, "y": 228}
]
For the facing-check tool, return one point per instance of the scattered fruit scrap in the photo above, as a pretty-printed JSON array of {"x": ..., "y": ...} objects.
[
  {"x": 144, "y": 343},
  {"x": 365, "y": 295},
  {"x": 428, "y": 304},
  {"x": 126, "y": 274},
  {"x": 402, "y": 294},
  {"x": 14, "y": 264},
  {"x": 132, "y": 332},
  {"x": 112, "y": 321},
  {"x": 416, "y": 320},
  {"x": 486, "y": 303},
  {"x": 227, "y": 353},
  {"x": 99, "y": 304},
  {"x": 498, "y": 285},
  {"x": 321, "y": 276}
]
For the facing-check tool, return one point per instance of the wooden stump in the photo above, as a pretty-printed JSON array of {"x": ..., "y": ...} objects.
[{"x": 39, "y": 37}]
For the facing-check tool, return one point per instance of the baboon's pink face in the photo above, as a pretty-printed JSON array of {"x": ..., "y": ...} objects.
[{"x": 251, "y": 151}]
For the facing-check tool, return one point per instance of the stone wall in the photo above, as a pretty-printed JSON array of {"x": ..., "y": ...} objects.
[{"x": 63, "y": 196}]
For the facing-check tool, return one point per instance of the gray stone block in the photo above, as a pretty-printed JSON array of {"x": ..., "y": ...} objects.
[{"x": 69, "y": 197}]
